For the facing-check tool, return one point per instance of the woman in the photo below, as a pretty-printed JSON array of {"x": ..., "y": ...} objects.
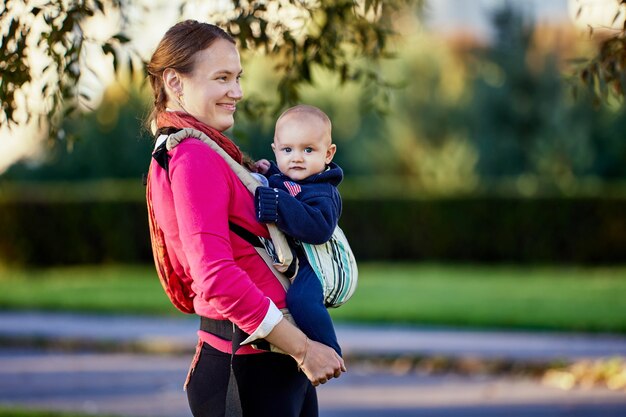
[{"x": 195, "y": 73}]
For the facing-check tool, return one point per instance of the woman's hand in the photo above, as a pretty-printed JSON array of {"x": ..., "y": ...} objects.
[{"x": 320, "y": 362}]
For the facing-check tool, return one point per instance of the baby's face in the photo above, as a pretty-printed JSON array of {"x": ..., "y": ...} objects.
[{"x": 302, "y": 147}]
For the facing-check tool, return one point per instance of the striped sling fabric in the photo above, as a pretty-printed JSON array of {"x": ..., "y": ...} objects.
[{"x": 335, "y": 266}]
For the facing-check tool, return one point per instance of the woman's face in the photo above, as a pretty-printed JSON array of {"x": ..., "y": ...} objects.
[{"x": 211, "y": 91}]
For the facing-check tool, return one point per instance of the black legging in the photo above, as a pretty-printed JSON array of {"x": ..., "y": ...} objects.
[{"x": 269, "y": 385}]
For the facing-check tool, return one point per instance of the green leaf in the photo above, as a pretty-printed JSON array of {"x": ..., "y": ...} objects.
[
  {"x": 616, "y": 17},
  {"x": 115, "y": 63},
  {"x": 602, "y": 84},
  {"x": 99, "y": 5},
  {"x": 121, "y": 38},
  {"x": 107, "y": 49},
  {"x": 69, "y": 110}
]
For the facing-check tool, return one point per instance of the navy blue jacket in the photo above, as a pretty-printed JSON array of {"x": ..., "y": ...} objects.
[{"x": 307, "y": 210}]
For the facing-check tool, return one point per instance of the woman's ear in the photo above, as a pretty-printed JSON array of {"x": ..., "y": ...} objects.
[{"x": 173, "y": 83}]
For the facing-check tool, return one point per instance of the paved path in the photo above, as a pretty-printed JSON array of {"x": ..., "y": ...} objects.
[
  {"x": 150, "y": 385},
  {"x": 180, "y": 335}
]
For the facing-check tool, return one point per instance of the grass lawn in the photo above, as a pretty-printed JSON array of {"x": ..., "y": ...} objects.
[
  {"x": 558, "y": 298},
  {"x": 108, "y": 289},
  {"x": 19, "y": 412}
]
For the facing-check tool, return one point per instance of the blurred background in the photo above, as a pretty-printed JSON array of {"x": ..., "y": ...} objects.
[
  {"x": 485, "y": 176},
  {"x": 482, "y": 146}
]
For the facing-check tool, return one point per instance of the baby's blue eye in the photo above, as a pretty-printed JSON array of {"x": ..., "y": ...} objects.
[
  {"x": 308, "y": 150},
  {"x": 287, "y": 150}
]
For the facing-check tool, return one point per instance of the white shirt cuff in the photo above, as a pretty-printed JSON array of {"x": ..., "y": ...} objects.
[{"x": 271, "y": 319}]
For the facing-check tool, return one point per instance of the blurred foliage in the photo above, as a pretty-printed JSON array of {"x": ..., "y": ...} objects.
[
  {"x": 54, "y": 32},
  {"x": 328, "y": 33},
  {"x": 587, "y": 374},
  {"x": 465, "y": 117},
  {"x": 424, "y": 136},
  {"x": 525, "y": 123},
  {"x": 346, "y": 37},
  {"x": 112, "y": 144},
  {"x": 462, "y": 118},
  {"x": 518, "y": 114},
  {"x": 604, "y": 75}
]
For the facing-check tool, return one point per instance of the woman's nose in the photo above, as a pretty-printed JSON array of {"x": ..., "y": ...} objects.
[{"x": 236, "y": 92}]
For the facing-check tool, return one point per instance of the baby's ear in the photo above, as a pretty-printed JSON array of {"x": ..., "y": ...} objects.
[{"x": 330, "y": 153}]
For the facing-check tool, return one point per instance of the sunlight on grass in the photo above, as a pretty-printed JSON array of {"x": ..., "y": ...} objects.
[
  {"x": 558, "y": 298},
  {"x": 113, "y": 289},
  {"x": 590, "y": 299}
]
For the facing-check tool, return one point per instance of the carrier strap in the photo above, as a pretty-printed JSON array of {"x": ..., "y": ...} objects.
[
  {"x": 161, "y": 157},
  {"x": 227, "y": 330},
  {"x": 246, "y": 235},
  {"x": 167, "y": 138},
  {"x": 160, "y": 153},
  {"x": 224, "y": 329},
  {"x": 233, "y": 399}
]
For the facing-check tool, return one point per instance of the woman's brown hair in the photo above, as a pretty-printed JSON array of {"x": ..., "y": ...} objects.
[{"x": 177, "y": 50}]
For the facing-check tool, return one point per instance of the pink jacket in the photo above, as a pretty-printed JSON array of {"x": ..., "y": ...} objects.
[{"x": 193, "y": 208}]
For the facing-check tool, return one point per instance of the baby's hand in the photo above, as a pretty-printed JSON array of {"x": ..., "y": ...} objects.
[{"x": 262, "y": 166}]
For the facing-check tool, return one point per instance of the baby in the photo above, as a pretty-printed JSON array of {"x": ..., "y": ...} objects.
[{"x": 303, "y": 200}]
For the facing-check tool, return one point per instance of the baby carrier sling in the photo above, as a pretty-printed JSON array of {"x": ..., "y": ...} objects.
[
  {"x": 333, "y": 262},
  {"x": 178, "y": 289},
  {"x": 335, "y": 266}
]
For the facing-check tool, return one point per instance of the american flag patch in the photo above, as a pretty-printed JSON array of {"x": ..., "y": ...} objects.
[{"x": 293, "y": 188}]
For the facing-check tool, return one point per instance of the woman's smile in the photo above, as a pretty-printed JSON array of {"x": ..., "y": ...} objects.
[{"x": 228, "y": 106}]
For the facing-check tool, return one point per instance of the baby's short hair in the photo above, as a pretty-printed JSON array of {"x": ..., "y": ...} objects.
[{"x": 305, "y": 109}]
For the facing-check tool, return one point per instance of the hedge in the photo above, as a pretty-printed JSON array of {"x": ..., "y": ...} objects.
[
  {"x": 480, "y": 229},
  {"x": 42, "y": 234},
  {"x": 540, "y": 230}
]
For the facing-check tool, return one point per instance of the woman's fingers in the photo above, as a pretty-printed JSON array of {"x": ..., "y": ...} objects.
[
  {"x": 342, "y": 364},
  {"x": 322, "y": 363},
  {"x": 331, "y": 373}
]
